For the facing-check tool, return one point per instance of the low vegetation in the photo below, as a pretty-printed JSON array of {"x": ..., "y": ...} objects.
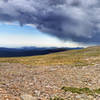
[{"x": 81, "y": 90}]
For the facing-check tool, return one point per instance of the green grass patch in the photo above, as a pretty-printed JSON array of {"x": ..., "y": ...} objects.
[
  {"x": 81, "y": 90},
  {"x": 97, "y": 91}
]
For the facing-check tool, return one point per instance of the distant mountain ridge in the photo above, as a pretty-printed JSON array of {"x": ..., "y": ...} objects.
[{"x": 30, "y": 51}]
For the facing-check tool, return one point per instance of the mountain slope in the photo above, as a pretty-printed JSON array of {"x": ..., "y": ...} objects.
[{"x": 80, "y": 57}]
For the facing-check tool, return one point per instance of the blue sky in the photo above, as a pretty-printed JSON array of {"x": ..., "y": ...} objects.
[{"x": 14, "y": 35}]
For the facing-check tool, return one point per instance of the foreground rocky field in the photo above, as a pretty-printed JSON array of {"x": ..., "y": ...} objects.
[{"x": 23, "y": 82}]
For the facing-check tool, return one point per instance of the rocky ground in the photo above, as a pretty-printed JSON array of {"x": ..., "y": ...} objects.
[{"x": 22, "y": 82}]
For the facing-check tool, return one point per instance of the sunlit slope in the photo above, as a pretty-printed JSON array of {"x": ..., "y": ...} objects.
[{"x": 82, "y": 57}]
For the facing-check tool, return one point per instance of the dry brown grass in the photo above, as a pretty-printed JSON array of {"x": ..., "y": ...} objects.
[{"x": 80, "y": 57}]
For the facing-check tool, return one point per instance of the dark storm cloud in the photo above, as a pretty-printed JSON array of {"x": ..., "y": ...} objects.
[{"x": 76, "y": 20}]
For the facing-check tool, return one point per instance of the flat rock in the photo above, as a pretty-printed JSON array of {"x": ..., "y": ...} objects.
[{"x": 28, "y": 97}]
